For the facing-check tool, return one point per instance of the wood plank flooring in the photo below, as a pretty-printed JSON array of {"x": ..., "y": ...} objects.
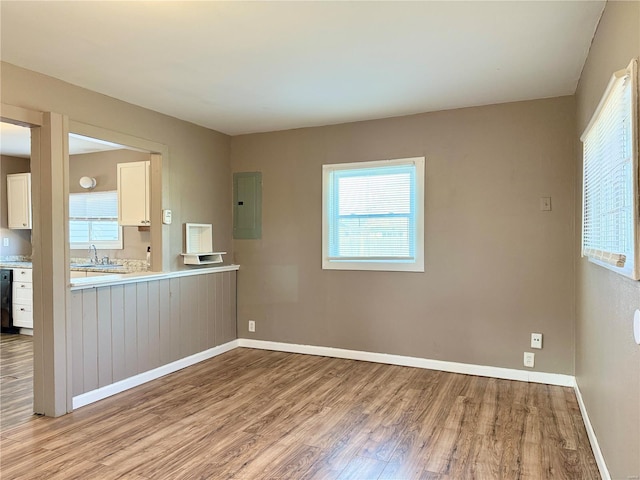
[
  {"x": 16, "y": 379},
  {"x": 251, "y": 414}
]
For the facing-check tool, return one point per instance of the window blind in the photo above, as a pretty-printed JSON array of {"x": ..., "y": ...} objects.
[
  {"x": 372, "y": 214},
  {"x": 609, "y": 223},
  {"x": 94, "y": 205}
]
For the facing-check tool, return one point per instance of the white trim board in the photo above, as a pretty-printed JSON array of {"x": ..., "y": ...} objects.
[
  {"x": 595, "y": 446},
  {"x": 144, "y": 377},
  {"x": 453, "y": 367}
]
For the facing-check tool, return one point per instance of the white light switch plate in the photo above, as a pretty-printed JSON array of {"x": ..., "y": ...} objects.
[
  {"x": 166, "y": 217},
  {"x": 529, "y": 359}
]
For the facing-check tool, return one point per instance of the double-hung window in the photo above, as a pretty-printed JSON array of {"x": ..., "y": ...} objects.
[
  {"x": 610, "y": 224},
  {"x": 373, "y": 215},
  {"x": 93, "y": 220}
]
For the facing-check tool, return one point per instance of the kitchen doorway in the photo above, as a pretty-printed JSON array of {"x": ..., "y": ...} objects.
[{"x": 16, "y": 338}]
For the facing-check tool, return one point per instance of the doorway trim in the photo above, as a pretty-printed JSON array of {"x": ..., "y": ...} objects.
[{"x": 51, "y": 362}]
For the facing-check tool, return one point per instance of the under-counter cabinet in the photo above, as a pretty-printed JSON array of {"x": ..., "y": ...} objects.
[
  {"x": 22, "y": 298},
  {"x": 133, "y": 193},
  {"x": 19, "y": 200}
]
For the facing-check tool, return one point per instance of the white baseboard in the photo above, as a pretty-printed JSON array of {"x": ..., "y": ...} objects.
[
  {"x": 127, "y": 383},
  {"x": 595, "y": 446},
  {"x": 454, "y": 367}
]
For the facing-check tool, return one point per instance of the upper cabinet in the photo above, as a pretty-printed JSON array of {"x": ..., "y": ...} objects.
[
  {"x": 19, "y": 200},
  {"x": 133, "y": 193}
]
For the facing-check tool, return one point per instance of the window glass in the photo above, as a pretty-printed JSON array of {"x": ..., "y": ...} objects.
[
  {"x": 373, "y": 215},
  {"x": 93, "y": 220}
]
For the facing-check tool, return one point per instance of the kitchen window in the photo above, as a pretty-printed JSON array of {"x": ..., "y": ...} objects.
[
  {"x": 610, "y": 224},
  {"x": 373, "y": 215},
  {"x": 93, "y": 220}
]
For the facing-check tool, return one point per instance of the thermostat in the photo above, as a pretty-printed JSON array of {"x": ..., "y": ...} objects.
[{"x": 166, "y": 217}]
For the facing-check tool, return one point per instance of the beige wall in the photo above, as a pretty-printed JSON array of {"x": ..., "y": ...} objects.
[
  {"x": 607, "y": 359},
  {"x": 496, "y": 267},
  {"x": 103, "y": 166},
  {"x": 199, "y": 171},
  {"x": 19, "y": 240}
]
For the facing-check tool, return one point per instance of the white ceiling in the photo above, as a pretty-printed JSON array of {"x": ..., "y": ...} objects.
[
  {"x": 15, "y": 141},
  {"x": 241, "y": 67}
]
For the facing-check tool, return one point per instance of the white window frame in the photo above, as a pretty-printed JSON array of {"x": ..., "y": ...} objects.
[
  {"x": 105, "y": 244},
  {"x": 417, "y": 265},
  {"x": 626, "y": 263}
]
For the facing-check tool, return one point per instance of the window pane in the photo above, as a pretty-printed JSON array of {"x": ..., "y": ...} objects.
[
  {"x": 374, "y": 237},
  {"x": 608, "y": 228},
  {"x": 372, "y": 213},
  {"x": 93, "y": 219},
  {"x": 104, "y": 231},
  {"x": 78, "y": 231},
  {"x": 375, "y": 194}
]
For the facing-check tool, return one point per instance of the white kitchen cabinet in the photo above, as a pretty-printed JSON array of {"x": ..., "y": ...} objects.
[
  {"x": 19, "y": 200},
  {"x": 134, "y": 193},
  {"x": 22, "y": 301}
]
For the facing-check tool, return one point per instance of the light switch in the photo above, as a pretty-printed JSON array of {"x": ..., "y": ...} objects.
[
  {"x": 166, "y": 217},
  {"x": 545, "y": 204}
]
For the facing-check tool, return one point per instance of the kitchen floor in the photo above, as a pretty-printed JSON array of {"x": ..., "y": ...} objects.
[{"x": 16, "y": 380}]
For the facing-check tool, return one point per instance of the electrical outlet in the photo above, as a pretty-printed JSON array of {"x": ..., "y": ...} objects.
[
  {"x": 529, "y": 359},
  {"x": 252, "y": 326},
  {"x": 5, "y": 242},
  {"x": 536, "y": 340}
]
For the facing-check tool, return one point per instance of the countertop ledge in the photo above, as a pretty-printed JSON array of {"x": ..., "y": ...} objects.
[
  {"x": 82, "y": 283},
  {"x": 121, "y": 279}
]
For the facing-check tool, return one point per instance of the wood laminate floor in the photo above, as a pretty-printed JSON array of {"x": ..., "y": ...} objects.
[
  {"x": 251, "y": 414},
  {"x": 16, "y": 379}
]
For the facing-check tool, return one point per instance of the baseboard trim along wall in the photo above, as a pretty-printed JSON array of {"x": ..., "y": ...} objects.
[
  {"x": 595, "y": 446},
  {"x": 453, "y": 367},
  {"x": 136, "y": 380}
]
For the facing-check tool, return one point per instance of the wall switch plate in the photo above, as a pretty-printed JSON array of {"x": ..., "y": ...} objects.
[
  {"x": 5, "y": 242},
  {"x": 545, "y": 204},
  {"x": 536, "y": 340},
  {"x": 252, "y": 326},
  {"x": 529, "y": 359},
  {"x": 166, "y": 217}
]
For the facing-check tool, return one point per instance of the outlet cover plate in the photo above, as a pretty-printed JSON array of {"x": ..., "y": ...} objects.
[
  {"x": 252, "y": 326},
  {"x": 536, "y": 340}
]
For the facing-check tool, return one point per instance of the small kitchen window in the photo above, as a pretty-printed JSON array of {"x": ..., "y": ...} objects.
[{"x": 93, "y": 220}]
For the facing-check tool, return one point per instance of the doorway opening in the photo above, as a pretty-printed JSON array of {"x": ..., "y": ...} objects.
[{"x": 16, "y": 338}]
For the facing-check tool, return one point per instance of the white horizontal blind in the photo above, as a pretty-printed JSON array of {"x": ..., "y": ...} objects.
[
  {"x": 93, "y": 219},
  {"x": 372, "y": 213},
  {"x": 608, "y": 229}
]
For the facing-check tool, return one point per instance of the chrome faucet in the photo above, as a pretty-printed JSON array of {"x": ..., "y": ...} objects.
[{"x": 95, "y": 254}]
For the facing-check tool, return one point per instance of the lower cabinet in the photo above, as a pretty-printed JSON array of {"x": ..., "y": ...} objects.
[{"x": 22, "y": 298}]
